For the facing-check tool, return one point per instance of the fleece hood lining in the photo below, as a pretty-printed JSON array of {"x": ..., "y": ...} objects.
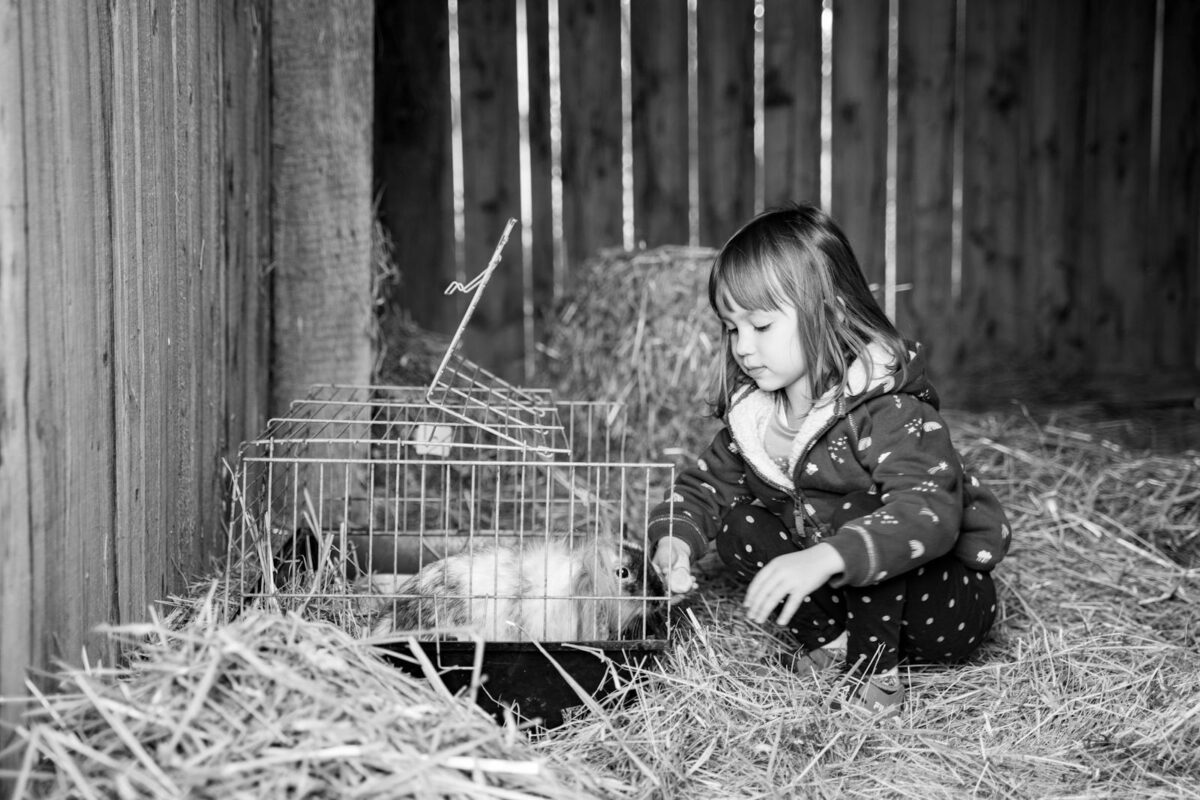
[{"x": 751, "y": 409}]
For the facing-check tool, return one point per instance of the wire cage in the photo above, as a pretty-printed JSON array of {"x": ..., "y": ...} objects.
[
  {"x": 469, "y": 509},
  {"x": 376, "y": 484}
]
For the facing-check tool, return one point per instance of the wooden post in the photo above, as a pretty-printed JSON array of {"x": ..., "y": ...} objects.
[{"x": 322, "y": 106}]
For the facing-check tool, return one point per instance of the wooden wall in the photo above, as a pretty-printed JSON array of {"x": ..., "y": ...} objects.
[
  {"x": 1040, "y": 227},
  {"x": 134, "y": 242}
]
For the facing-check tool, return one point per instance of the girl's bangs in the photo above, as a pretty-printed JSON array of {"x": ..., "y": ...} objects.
[{"x": 750, "y": 284}]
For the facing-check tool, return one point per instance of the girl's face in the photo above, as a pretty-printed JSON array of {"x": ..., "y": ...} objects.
[{"x": 766, "y": 346}]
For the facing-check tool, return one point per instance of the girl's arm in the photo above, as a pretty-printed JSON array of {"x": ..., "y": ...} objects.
[
  {"x": 905, "y": 446},
  {"x": 701, "y": 495}
]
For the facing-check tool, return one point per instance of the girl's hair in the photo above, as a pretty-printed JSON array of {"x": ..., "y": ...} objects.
[{"x": 797, "y": 255}]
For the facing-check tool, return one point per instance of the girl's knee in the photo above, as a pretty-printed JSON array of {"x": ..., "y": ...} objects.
[{"x": 749, "y": 537}]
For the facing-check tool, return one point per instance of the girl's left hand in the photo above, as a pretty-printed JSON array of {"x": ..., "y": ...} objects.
[{"x": 794, "y": 576}]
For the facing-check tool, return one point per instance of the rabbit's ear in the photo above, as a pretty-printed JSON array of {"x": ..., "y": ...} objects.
[{"x": 585, "y": 576}]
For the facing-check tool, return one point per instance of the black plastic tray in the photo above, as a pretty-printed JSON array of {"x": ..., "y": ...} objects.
[{"x": 520, "y": 676}]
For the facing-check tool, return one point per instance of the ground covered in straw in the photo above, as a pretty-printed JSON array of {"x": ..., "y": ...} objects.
[{"x": 1088, "y": 688}]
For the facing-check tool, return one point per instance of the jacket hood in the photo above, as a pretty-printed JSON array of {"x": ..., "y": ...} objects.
[{"x": 879, "y": 373}]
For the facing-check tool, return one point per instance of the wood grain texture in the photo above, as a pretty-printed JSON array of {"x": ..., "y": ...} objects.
[
  {"x": 321, "y": 117},
  {"x": 792, "y": 101},
  {"x": 590, "y": 58},
  {"x": 995, "y": 142},
  {"x": 726, "y": 76},
  {"x": 133, "y": 183},
  {"x": 413, "y": 174},
  {"x": 860, "y": 75},
  {"x": 660, "y": 122},
  {"x": 17, "y": 598},
  {"x": 925, "y": 125},
  {"x": 1052, "y": 198},
  {"x": 1175, "y": 236},
  {"x": 70, "y": 320},
  {"x": 491, "y": 178},
  {"x": 1116, "y": 188}
]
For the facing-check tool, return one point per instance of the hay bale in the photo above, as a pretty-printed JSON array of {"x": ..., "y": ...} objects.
[{"x": 636, "y": 328}]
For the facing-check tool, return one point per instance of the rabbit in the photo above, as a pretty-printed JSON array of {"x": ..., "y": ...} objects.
[{"x": 554, "y": 589}]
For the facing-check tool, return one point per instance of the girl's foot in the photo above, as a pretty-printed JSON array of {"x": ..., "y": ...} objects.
[
  {"x": 819, "y": 660},
  {"x": 881, "y": 694}
]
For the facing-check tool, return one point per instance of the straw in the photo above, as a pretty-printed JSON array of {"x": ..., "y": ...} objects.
[
  {"x": 265, "y": 706},
  {"x": 1088, "y": 687},
  {"x": 651, "y": 341}
]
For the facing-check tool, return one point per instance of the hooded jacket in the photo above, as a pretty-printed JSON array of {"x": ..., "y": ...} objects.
[{"x": 872, "y": 472}]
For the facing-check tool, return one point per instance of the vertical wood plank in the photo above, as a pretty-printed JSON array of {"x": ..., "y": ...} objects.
[
  {"x": 725, "y": 34},
  {"x": 1055, "y": 330},
  {"x": 321, "y": 115},
  {"x": 1176, "y": 216},
  {"x": 44, "y": 389},
  {"x": 179, "y": 23},
  {"x": 70, "y": 383},
  {"x": 491, "y": 179},
  {"x": 792, "y": 101},
  {"x": 541, "y": 293},
  {"x": 413, "y": 161},
  {"x": 590, "y": 59},
  {"x": 17, "y": 597},
  {"x": 211, "y": 351},
  {"x": 994, "y": 144},
  {"x": 245, "y": 153},
  {"x": 137, "y": 388},
  {"x": 658, "y": 31},
  {"x": 925, "y": 176},
  {"x": 1120, "y": 52},
  {"x": 860, "y": 75}
]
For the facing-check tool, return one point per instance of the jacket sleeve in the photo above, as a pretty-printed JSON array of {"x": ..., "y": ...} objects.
[
  {"x": 905, "y": 446},
  {"x": 701, "y": 495}
]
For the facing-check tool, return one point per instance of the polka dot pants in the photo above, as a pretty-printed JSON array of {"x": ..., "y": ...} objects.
[{"x": 939, "y": 612}]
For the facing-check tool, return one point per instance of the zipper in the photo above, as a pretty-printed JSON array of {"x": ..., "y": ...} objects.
[{"x": 799, "y": 513}]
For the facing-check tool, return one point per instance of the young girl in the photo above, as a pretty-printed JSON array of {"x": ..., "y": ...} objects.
[{"x": 833, "y": 485}]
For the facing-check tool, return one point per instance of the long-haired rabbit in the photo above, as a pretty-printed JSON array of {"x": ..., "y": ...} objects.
[{"x": 554, "y": 589}]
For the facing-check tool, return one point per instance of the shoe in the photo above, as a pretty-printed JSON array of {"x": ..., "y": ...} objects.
[
  {"x": 878, "y": 695},
  {"x": 818, "y": 660}
]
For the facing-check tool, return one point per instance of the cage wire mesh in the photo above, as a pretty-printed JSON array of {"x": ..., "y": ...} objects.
[{"x": 468, "y": 508}]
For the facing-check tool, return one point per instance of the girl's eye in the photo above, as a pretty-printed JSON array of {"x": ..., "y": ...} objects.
[{"x": 762, "y": 328}]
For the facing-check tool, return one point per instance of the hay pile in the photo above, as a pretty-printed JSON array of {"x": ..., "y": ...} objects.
[
  {"x": 637, "y": 329},
  {"x": 271, "y": 706}
]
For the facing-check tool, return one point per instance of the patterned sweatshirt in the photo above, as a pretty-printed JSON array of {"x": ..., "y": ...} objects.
[{"x": 872, "y": 472}]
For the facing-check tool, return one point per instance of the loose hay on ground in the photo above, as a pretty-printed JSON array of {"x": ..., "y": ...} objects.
[
  {"x": 1088, "y": 688},
  {"x": 272, "y": 706}
]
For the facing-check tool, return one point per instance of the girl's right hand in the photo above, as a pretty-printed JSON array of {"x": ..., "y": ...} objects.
[{"x": 672, "y": 562}]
